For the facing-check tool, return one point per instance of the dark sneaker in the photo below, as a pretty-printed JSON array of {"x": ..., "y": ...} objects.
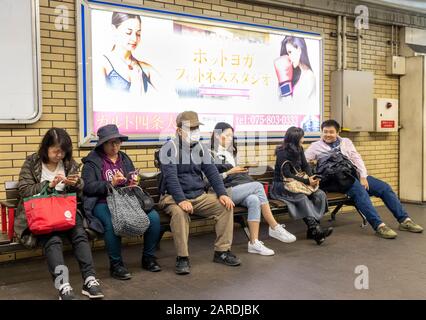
[
  {"x": 66, "y": 292},
  {"x": 182, "y": 265},
  {"x": 150, "y": 264},
  {"x": 92, "y": 289},
  {"x": 226, "y": 257},
  {"x": 120, "y": 273}
]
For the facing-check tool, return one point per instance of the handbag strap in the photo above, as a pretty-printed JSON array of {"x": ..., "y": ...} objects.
[
  {"x": 131, "y": 187},
  {"x": 110, "y": 188},
  {"x": 44, "y": 192},
  {"x": 282, "y": 166},
  {"x": 134, "y": 187}
]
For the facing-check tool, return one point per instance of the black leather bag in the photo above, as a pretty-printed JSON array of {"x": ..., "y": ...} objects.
[{"x": 145, "y": 200}]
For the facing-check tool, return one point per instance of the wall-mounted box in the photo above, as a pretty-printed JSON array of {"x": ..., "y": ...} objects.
[
  {"x": 395, "y": 65},
  {"x": 386, "y": 113},
  {"x": 352, "y": 99}
]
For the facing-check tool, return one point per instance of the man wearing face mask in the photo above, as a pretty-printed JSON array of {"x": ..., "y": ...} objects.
[{"x": 184, "y": 160}]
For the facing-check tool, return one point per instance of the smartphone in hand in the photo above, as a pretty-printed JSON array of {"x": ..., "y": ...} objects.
[
  {"x": 133, "y": 177},
  {"x": 72, "y": 178}
]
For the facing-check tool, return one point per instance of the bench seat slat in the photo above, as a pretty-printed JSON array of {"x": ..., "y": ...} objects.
[{"x": 9, "y": 203}]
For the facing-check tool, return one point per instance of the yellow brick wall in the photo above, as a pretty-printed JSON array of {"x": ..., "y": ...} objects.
[{"x": 60, "y": 105}]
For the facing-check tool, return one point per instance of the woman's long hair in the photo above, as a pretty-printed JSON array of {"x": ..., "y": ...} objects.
[
  {"x": 219, "y": 128},
  {"x": 291, "y": 143},
  {"x": 304, "y": 59}
]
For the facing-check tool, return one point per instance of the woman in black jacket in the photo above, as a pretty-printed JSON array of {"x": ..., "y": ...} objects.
[
  {"x": 311, "y": 209},
  {"x": 103, "y": 167}
]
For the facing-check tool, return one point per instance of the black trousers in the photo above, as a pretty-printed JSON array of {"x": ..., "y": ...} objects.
[{"x": 53, "y": 250}]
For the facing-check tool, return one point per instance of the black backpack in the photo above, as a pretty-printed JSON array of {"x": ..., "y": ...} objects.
[{"x": 337, "y": 171}]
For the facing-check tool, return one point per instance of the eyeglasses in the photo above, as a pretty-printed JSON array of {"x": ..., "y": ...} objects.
[
  {"x": 114, "y": 142},
  {"x": 57, "y": 151}
]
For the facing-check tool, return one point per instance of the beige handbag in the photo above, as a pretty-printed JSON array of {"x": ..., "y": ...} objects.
[{"x": 295, "y": 186}]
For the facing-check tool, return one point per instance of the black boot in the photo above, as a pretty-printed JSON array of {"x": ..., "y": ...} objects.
[
  {"x": 150, "y": 264},
  {"x": 119, "y": 271},
  {"x": 326, "y": 232},
  {"x": 315, "y": 231},
  {"x": 316, "y": 234}
]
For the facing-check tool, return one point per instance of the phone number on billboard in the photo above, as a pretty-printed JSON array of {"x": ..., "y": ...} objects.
[{"x": 259, "y": 119}]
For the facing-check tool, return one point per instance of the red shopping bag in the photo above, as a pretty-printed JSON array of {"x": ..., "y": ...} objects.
[{"x": 47, "y": 213}]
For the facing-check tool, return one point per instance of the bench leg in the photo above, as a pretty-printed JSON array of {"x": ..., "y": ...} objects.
[
  {"x": 241, "y": 220},
  {"x": 3, "y": 219},
  {"x": 335, "y": 211},
  {"x": 364, "y": 220},
  {"x": 11, "y": 217}
]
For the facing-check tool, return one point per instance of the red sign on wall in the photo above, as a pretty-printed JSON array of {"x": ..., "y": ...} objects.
[{"x": 387, "y": 124}]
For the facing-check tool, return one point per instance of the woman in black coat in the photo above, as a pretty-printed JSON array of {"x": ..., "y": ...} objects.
[{"x": 289, "y": 158}]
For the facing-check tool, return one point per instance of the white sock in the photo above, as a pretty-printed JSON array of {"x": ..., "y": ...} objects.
[
  {"x": 64, "y": 285},
  {"x": 89, "y": 278}
]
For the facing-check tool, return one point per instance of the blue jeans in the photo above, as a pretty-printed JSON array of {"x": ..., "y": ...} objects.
[
  {"x": 251, "y": 195},
  {"x": 113, "y": 242},
  {"x": 377, "y": 188}
]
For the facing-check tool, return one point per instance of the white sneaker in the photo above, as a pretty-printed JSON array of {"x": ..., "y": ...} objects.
[
  {"x": 259, "y": 248},
  {"x": 281, "y": 234}
]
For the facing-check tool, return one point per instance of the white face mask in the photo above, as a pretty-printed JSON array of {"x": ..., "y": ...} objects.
[{"x": 193, "y": 136}]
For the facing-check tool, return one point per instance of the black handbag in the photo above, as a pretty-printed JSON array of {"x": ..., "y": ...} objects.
[{"x": 145, "y": 200}]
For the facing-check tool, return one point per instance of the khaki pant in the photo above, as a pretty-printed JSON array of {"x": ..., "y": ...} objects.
[{"x": 206, "y": 205}]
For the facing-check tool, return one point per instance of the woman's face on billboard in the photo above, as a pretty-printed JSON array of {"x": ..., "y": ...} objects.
[
  {"x": 128, "y": 34},
  {"x": 294, "y": 54}
]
